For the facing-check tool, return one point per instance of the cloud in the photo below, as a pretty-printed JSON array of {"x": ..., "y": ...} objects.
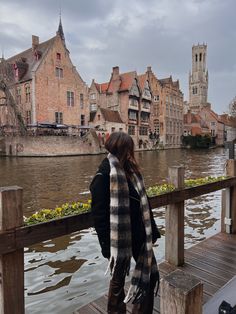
[{"x": 133, "y": 34}]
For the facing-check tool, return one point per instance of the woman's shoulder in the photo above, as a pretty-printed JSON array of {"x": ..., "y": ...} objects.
[{"x": 104, "y": 167}]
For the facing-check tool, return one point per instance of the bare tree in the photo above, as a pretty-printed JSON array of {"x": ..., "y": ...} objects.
[{"x": 232, "y": 107}]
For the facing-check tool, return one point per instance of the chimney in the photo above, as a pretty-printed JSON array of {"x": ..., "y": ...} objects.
[
  {"x": 35, "y": 42},
  {"x": 115, "y": 72}
]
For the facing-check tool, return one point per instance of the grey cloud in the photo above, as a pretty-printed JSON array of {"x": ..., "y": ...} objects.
[{"x": 134, "y": 34}]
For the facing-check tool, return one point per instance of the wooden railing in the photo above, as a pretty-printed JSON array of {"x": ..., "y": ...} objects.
[{"x": 14, "y": 236}]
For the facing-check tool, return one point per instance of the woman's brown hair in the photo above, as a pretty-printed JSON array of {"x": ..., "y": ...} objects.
[{"x": 121, "y": 145}]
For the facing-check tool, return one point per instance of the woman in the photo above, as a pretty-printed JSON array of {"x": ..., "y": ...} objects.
[{"x": 125, "y": 226}]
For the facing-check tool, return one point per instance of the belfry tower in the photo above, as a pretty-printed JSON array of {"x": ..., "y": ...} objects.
[{"x": 198, "y": 79}]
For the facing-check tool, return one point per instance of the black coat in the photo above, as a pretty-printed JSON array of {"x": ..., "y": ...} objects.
[{"x": 100, "y": 190}]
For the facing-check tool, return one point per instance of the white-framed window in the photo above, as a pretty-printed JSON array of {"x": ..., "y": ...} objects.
[
  {"x": 70, "y": 99},
  {"x": 59, "y": 117},
  {"x": 131, "y": 130},
  {"x": 59, "y": 72},
  {"x": 81, "y": 99},
  {"x": 92, "y": 96}
]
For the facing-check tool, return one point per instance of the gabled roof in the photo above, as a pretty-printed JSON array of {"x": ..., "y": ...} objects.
[
  {"x": 167, "y": 80},
  {"x": 101, "y": 88},
  {"x": 27, "y": 61},
  {"x": 142, "y": 79},
  {"x": 126, "y": 81},
  {"x": 111, "y": 115}
]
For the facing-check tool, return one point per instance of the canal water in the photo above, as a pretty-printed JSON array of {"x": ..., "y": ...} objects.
[{"x": 65, "y": 273}]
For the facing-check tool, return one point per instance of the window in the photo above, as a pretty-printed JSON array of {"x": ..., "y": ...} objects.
[
  {"x": 27, "y": 93},
  {"x": 18, "y": 94},
  {"x": 194, "y": 90},
  {"x": 200, "y": 57},
  {"x": 196, "y": 57},
  {"x": 133, "y": 102},
  {"x": 58, "y": 56},
  {"x": 132, "y": 115},
  {"x": 70, "y": 99},
  {"x": 143, "y": 130},
  {"x": 59, "y": 117},
  {"x": 59, "y": 72},
  {"x": 93, "y": 107},
  {"x": 28, "y": 117},
  {"x": 99, "y": 117},
  {"x": 121, "y": 129},
  {"x": 146, "y": 104},
  {"x": 131, "y": 130},
  {"x": 144, "y": 116},
  {"x": 81, "y": 101},
  {"x": 113, "y": 129},
  {"x": 82, "y": 119},
  {"x": 156, "y": 98},
  {"x": 93, "y": 96},
  {"x": 213, "y": 123}
]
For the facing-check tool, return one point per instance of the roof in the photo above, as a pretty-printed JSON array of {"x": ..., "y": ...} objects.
[
  {"x": 194, "y": 118},
  {"x": 26, "y": 61},
  {"x": 142, "y": 79},
  {"x": 102, "y": 88},
  {"x": 111, "y": 115},
  {"x": 167, "y": 80},
  {"x": 127, "y": 80}
]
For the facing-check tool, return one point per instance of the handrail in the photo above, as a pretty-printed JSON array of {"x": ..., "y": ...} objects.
[{"x": 20, "y": 237}]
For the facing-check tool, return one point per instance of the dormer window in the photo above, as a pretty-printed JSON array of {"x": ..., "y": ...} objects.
[
  {"x": 58, "y": 56},
  {"x": 16, "y": 71}
]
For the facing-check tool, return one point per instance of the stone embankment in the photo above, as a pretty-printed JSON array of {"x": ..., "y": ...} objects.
[{"x": 37, "y": 146}]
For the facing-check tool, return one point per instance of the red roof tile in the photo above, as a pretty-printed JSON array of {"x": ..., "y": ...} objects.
[{"x": 111, "y": 115}]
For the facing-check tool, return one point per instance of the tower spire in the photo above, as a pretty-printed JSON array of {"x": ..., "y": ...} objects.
[{"x": 60, "y": 31}]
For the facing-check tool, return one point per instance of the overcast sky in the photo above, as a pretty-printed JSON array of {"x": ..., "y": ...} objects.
[{"x": 132, "y": 34}]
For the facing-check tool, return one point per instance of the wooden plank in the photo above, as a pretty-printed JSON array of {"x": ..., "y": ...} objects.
[
  {"x": 208, "y": 268},
  {"x": 11, "y": 264},
  {"x": 174, "y": 241},
  {"x": 206, "y": 259}
]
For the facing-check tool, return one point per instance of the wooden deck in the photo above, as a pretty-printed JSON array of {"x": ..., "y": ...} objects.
[{"x": 212, "y": 260}]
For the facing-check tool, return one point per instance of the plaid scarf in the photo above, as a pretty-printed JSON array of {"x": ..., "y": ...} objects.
[{"x": 121, "y": 241}]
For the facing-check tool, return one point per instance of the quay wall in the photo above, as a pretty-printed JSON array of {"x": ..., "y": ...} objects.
[{"x": 33, "y": 146}]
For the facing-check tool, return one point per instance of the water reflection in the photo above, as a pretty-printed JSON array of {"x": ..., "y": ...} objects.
[{"x": 64, "y": 273}]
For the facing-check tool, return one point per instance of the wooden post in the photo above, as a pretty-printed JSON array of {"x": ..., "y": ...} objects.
[
  {"x": 229, "y": 218},
  {"x": 174, "y": 235},
  {"x": 181, "y": 293},
  {"x": 11, "y": 264}
]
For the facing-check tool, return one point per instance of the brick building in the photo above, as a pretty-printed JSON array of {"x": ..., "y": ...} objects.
[
  {"x": 167, "y": 109},
  {"x": 46, "y": 85},
  {"x": 130, "y": 95},
  {"x": 148, "y": 106}
]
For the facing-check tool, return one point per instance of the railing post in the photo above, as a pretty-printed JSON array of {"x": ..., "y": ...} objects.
[
  {"x": 174, "y": 234},
  {"x": 11, "y": 264},
  {"x": 181, "y": 293},
  {"x": 229, "y": 209}
]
